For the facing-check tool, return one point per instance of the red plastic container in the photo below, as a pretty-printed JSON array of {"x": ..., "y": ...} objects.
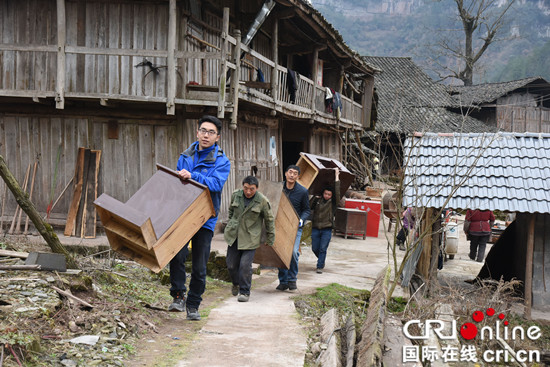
[{"x": 373, "y": 209}]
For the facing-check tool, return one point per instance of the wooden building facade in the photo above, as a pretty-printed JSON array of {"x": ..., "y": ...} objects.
[{"x": 131, "y": 78}]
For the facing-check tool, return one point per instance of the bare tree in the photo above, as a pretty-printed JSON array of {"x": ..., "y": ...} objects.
[{"x": 481, "y": 22}]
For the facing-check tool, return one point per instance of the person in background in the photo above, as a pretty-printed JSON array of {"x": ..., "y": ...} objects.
[
  {"x": 323, "y": 209},
  {"x": 477, "y": 226},
  {"x": 408, "y": 223},
  {"x": 205, "y": 162},
  {"x": 299, "y": 198},
  {"x": 375, "y": 167},
  {"x": 248, "y": 210}
]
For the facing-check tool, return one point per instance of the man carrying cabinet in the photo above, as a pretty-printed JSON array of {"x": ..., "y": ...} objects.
[
  {"x": 248, "y": 210},
  {"x": 206, "y": 163},
  {"x": 299, "y": 198}
]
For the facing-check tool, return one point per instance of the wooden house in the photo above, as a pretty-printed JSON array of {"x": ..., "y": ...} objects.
[
  {"x": 515, "y": 106},
  {"x": 130, "y": 78},
  {"x": 501, "y": 171},
  {"x": 407, "y": 100}
]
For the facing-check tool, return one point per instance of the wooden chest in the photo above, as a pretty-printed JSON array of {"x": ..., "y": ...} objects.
[
  {"x": 158, "y": 220},
  {"x": 351, "y": 222},
  {"x": 317, "y": 172}
]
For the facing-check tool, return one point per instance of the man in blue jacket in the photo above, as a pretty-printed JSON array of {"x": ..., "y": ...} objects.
[
  {"x": 206, "y": 163},
  {"x": 299, "y": 198}
]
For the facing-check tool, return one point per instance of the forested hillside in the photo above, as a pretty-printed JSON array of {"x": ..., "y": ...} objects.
[{"x": 408, "y": 27}]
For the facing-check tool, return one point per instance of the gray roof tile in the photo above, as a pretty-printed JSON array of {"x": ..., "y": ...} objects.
[
  {"x": 496, "y": 171},
  {"x": 475, "y": 95},
  {"x": 409, "y": 100}
]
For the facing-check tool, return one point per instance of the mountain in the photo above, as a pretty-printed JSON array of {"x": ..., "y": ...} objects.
[{"x": 410, "y": 27}]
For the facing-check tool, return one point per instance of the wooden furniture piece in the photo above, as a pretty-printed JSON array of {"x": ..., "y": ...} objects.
[
  {"x": 158, "y": 220},
  {"x": 317, "y": 172},
  {"x": 351, "y": 222},
  {"x": 373, "y": 208},
  {"x": 286, "y": 228}
]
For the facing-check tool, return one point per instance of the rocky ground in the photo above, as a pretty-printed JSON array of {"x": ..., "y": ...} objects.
[{"x": 112, "y": 309}]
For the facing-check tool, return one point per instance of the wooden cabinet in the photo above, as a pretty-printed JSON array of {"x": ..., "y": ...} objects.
[
  {"x": 158, "y": 220},
  {"x": 317, "y": 172},
  {"x": 286, "y": 227},
  {"x": 351, "y": 222}
]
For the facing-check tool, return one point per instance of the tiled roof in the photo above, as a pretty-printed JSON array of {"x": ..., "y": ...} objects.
[
  {"x": 495, "y": 171},
  {"x": 409, "y": 100},
  {"x": 485, "y": 93}
]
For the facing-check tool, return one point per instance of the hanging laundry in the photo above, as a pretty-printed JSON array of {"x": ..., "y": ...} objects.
[
  {"x": 260, "y": 77},
  {"x": 329, "y": 99},
  {"x": 337, "y": 105},
  {"x": 292, "y": 84}
]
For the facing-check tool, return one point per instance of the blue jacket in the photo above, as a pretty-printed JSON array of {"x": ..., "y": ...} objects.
[{"x": 209, "y": 167}]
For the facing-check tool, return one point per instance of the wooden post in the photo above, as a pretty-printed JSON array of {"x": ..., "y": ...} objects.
[
  {"x": 61, "y": 41},
  {"x": 183, "y": 32},
  {"x": 274, "y": 72},
  {"x": 223, "y": 71},
  {"x": 529, "y": 266},
  {"x": 170, "y": 62},
  {"x": 315, "y": 79},
  {"x": 235, "y": 80},
  {"x": 44, "y": 228},
  {"x": 366, "y": 102},
  {"x": 423, "y": 265}
]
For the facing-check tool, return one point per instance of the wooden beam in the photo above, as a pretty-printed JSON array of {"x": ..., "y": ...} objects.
[
  {"x": 171, "y": 62},
  {"x": 61, "y": 41},
  {"x": 235, "y": 80},
  {"x": 223, "y": 71},
  {"x": 315, "y": 79},
  {"x": 529, "y": 266},
  {"x": 274, "y": 73}
]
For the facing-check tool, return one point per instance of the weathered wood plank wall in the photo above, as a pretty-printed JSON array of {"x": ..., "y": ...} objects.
[{"x": 127, "y": 162}]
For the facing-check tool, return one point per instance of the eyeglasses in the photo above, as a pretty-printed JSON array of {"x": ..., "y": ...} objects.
[{"x": 209, "y": 132}]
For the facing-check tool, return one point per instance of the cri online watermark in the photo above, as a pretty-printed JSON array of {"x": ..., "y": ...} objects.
[{"x": 500, "y": 332}]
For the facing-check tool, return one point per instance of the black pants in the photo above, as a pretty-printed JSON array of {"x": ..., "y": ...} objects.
[
  {"x": 477, "y": 247},
  {"x": 239, "y": 265},
  {"x": 402, "y": 235},
  {"x": 199, "y": 256}
]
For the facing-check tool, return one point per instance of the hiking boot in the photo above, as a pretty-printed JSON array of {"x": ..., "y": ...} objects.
[
  {"x": 235, "y": 290},
  {"x": 193, "y": 314},
  {"x": 282, "y": 287},
  {"x": 243, "y": 297},
  {"x": 402, "y": 247},
  {"x": 178, "y": 305},
  {"x": 292, "y": 286},
  {"x": 319, "y": 271}
]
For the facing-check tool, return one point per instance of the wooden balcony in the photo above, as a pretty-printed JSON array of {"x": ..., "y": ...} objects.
[{"x": 171, "y": 70}]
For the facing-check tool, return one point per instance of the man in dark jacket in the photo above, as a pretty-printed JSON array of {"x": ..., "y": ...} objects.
[
  {"x": 206, "y": 163},
  {"x": 299, "y": 198},
  {"x": 323, "y": 210},
  {"x": 248, "y": 210}
]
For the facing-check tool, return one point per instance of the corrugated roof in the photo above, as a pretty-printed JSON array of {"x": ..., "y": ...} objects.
[
  {"x": 409, "y": 100},
  {"x": 495, "y": 171},
  {"x": 486, "y": 93}
]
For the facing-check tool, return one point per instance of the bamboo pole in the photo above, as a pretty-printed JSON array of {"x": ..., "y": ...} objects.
[
  {"x": 30, "y": 195},
  {"x": 43, "y": 228}
]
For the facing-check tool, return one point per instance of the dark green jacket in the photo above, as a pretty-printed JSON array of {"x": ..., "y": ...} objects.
[
  {"x": 245, "y": 224},
  {"x": 323, "y": 211}
]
